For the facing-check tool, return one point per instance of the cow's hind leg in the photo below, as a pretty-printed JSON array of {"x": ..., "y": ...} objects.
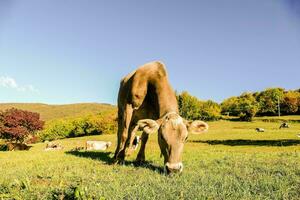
[{"x": 141, "y": 155}]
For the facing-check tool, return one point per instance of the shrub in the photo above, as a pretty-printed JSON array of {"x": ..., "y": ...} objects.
[
  {"x": 56, "y": 129},
  {"x": 104, "y": 123}
]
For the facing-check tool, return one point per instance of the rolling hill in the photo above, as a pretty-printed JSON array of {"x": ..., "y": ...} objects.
[{"x": 49, "y": 112}]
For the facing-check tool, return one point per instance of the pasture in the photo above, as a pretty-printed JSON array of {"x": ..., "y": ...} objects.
[{"x": 231, "y": 161}]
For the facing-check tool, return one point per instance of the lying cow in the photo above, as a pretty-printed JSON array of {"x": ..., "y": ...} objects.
[
  {"x": 284, "y": 125},
  {"x": 147, "y": 102},
  {"x": 52, "y": 146},
  {"x": 136, "y": 142},
  {"x": 97, "y": 145},
  {"x": 17, "y": 147},
  {"x": 260, "y": 130}
]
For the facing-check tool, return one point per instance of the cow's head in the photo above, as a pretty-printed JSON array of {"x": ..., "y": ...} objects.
[{"x": 172, "y": 134}]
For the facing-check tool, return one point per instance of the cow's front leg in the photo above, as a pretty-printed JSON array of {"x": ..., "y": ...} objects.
[
  {"x": 141, "y": 155},
  {"x": 123, "y": 127}
]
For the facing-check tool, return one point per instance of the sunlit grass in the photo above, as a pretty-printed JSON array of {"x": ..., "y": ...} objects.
[{"x": 231, "y": 161}]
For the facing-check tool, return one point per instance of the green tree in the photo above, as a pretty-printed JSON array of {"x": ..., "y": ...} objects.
[
  {"x": 230, "y": 106},
  {"x": 244, "y": 106},
  {"x": 248, "y": 107},
  {"x": 210, "y": 110},
  {"x": 268, "y": 100},
  {"x": 192, "y": 108},
  {"x": 290, "y": 104},
  {"x": 188, "y": 106}
]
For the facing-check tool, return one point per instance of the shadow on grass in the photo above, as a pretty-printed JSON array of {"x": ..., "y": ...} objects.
[
  {"x": 106, "y": 157},
  {"x": 241, "y": 142},
  {"x": 3, "y": 147}
]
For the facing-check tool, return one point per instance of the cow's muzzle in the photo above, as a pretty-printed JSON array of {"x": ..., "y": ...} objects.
[{"x": 173, "y": 168}]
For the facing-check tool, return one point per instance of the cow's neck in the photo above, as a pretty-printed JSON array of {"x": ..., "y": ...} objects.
[{"x": 166, "y": 99}]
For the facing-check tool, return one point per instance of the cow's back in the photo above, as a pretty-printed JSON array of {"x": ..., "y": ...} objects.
[{"x": 149, "y": 78}]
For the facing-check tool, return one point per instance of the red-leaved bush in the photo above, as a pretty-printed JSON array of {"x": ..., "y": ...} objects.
[{"x": 16, "y": 125}]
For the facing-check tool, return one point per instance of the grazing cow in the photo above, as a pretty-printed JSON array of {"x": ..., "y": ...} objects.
[
  {"x": 260, "y": 130},
  {"x": 97, "y": 145},
  {"x": 147, "y": 102},
  {"x": 284, "y": 125},
  {"x": 17, "y": 147}
]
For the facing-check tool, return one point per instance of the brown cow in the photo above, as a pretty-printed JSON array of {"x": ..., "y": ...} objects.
[
  {"x": 17, "y": 147},
  {"x": 147, "y": 101}
]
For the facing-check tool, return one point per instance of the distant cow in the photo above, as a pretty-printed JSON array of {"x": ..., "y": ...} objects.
[
  {"x": 284, "y": 125},
  {"x": 97, "y": 145},
  {"x": 260, "y": 130},
  {"x": 136, "y": 142},
  {"x": 17, "y": 146},
  {"x": 53, "y": 146}
]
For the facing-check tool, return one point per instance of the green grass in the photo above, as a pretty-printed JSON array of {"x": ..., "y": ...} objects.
[
  {"x": 288, "y": 118},
  {"x": 231, "y": 161},
  {"x": 49, "y": 112}
]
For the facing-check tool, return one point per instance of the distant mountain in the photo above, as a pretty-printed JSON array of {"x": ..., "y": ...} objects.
[{"x": 49, "y": 112}]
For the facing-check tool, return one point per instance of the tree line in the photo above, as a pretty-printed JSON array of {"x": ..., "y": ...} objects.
[{"x": 270, "y": 102}]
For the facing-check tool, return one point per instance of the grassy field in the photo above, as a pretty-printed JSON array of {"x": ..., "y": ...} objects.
[
  {"x": 231, "y": 161},
  {"x": 288, "y": 118},
  {"x": 49, "y": 112}
]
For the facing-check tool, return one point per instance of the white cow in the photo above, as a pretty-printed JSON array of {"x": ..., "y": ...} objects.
[
  {"x": 97, "y": 145},
  {"x": 260, "y": 130}
]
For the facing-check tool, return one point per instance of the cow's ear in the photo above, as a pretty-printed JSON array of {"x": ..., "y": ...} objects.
[
  {"x": 196, "y": 127},
  {"x": 148, "y": 125}
]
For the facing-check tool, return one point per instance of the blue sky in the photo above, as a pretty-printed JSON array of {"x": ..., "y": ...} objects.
[{"x": 59, "y": 52}]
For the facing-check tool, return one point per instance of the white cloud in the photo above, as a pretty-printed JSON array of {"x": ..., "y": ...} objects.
[{"x": 9, "y": 82}]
